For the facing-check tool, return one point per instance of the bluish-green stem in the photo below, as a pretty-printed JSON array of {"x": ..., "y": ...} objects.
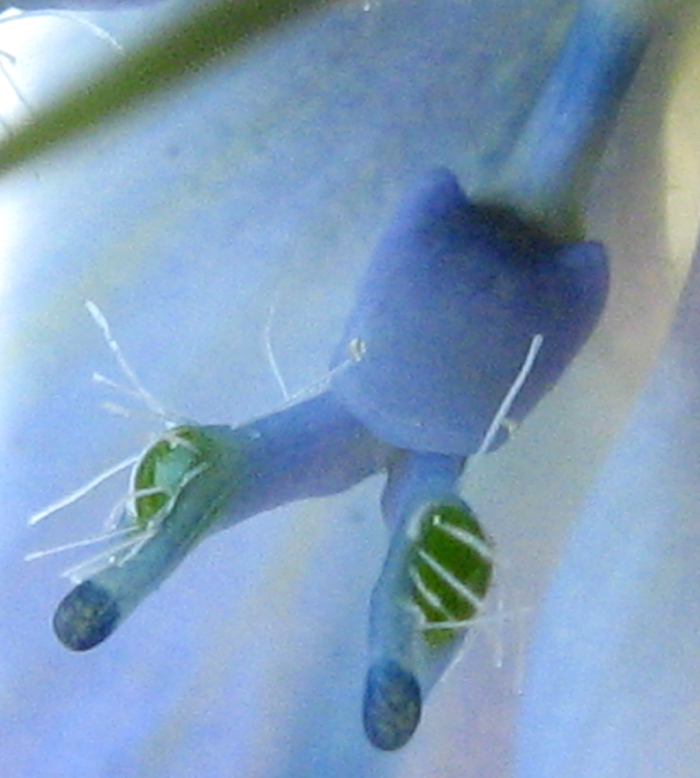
[{"x": 547, "y": 176}]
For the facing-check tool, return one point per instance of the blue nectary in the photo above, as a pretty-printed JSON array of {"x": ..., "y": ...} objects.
[{"x": 446, "y": 313}]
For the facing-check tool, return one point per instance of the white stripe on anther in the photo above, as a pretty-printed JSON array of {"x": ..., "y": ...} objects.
[
  {"x": 451, "y": 580},
  {"x": 467, "y": 538},
  {"x": 432, "y": 598}
]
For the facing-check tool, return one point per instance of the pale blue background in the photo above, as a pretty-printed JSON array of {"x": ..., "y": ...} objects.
[{"x": 269, "y": 179}]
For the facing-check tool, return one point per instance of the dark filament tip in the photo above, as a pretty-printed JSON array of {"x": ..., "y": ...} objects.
[
  {"x": 392, "y": 705},
  {"x": 85, "y": 617}
]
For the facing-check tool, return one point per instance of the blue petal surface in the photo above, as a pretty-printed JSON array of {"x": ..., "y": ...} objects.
[{"x": 612, "y": 688}]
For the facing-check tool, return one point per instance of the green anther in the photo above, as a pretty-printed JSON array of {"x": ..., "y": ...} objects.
[
  {"x": 163, "y": 471},
  {"x": 451, "y": 570}
]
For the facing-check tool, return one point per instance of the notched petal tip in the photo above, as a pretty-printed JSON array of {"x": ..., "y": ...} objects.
[
  {"x": 392, "y": 705},
  {"x": 85, "y": 617}
]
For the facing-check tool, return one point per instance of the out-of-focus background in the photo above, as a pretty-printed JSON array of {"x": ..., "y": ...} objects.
[{"x": 240, "y": 206}]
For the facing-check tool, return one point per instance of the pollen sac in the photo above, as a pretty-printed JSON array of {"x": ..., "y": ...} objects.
[
  {"x": 392, "y": 705},
  {"x": 449, "y": 566}
]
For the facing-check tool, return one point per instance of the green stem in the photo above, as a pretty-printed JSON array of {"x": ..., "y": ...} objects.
[{"x": 181, "y": 50}]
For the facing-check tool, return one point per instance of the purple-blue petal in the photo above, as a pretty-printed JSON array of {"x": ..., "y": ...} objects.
[{"x": 447, "y": 311}]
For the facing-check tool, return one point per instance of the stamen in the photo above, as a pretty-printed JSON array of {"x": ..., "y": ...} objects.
[
  {"x": 69, "y": 499},
  {"x": 512, "y": 393},
  {"x": 99, "y": 562},
  {"x": 78, "y": 544},
  {"x": 130, "y": 374},
  {"x": 501, "y": 420},
  {"x": 269, "y": 350}
]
